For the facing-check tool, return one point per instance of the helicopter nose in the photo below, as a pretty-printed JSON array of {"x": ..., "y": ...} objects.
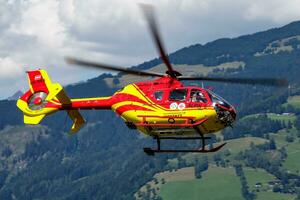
[
  {"x": 226, "y": 114},
  {"x": 232, "y": 111}
]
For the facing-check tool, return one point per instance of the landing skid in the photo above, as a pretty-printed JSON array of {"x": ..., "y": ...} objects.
[
  {"x": 188, "y": 123},
  {"x": 151, "y": 152}
]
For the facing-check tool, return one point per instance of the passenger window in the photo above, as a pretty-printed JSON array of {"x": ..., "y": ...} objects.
[
  {"x": 178, "y": 95},
  {"x": 197, "y": 96},
  {"x": 158, "y": 95}
]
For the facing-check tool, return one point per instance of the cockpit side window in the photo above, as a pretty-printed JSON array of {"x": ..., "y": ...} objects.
[
  {"x": 197, "y": 96},
  {"x": 178, "y": 95},
  {"x": 158, "y": 95}
]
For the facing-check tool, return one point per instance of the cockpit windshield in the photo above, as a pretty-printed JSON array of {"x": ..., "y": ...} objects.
[
  {"x": 216, "y": 99},
  {"x": 226, "y": 112}
]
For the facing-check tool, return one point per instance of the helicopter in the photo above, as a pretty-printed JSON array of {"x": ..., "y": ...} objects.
[{"x": 163, "y": 108}]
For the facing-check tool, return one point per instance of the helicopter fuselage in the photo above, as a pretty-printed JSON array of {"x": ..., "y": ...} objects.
[
  {"x": 160, "y": 107},
  {"x": 165, "y": 107}
]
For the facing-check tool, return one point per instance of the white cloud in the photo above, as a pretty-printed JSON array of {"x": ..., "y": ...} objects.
[
  {"x": 39, "y": 33},
  {"x": 277, "y": 11},
  {"x": 10, "y": 68},
  {"x": 40, "y": 20}
]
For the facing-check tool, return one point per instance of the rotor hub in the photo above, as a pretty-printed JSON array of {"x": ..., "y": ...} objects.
[
  {"x": 37, "y": 101},
  {"x": 173, "y": 73}
]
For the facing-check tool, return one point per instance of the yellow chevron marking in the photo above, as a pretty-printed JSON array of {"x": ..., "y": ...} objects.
[
  {"x": 130, "y": 89},
  {"x": 147, "y": 98}
]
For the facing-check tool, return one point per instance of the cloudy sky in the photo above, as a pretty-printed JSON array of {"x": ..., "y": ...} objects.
[{"x": 39, "y": 33}]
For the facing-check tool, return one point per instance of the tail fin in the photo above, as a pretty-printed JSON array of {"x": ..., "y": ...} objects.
[{"x": 44, "y": 98}]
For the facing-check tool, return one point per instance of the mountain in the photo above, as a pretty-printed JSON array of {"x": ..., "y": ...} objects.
[
  {"x": 105, "y": 159},
  {"x": 16, "y": 95}
]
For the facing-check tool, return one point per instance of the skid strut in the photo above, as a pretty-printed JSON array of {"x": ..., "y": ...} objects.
[
  {"x": 151, "y": 152},
  {"x": 189, "y": 123}
]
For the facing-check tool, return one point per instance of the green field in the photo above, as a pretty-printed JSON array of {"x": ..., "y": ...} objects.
[
  {"x": 216, "y": 184},
  {"x": 217, "y": 181},
  {"x": 273, "y": 116},
  {"x": 282, "y": 117},
  {"x": 241, "y": 144},
  {"x": 292, "y": 163},
  {"x": 234, "y": 146},
  {"x": 293, "y": 101},
  {"x": 254, "y": 176},
  {"x": 274, "y": 196},
  {"x": 279, "y": 138}
]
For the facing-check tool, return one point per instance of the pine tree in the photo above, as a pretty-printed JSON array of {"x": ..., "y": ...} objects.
[{"x": 272, "y": 144}]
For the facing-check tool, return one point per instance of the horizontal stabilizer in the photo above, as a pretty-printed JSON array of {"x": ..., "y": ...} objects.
[
  {"x": 77, "y": 119},
  {"x": 33, "y": 120},
  {"x": 75, "y": 115}
]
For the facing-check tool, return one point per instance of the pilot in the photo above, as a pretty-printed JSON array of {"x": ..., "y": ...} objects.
[
  {"x": 197, "y": 97},
  {"x": 194, "y": 97}
]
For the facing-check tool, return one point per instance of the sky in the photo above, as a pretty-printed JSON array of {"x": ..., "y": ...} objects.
[{"x": 40, "y": 33}]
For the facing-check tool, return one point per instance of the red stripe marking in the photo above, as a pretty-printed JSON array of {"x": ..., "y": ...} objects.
[
  {"x": 120, "y": 110},
  {"x": 25, "y": 97},
  {"x": 52, "y": 105},
  {"x": 175, "y": 117}
]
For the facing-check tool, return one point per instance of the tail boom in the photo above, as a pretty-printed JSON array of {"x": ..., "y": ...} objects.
[{"x": 100, "y": 103}]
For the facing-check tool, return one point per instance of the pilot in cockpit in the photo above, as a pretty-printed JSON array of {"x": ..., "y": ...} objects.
[{"x": 197, "y": 96}]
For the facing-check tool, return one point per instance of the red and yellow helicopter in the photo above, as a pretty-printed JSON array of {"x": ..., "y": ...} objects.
[{"x": 163, "y": 108}]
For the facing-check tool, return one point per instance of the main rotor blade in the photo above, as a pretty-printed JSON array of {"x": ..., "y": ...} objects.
[
  {"x": 150, "y": 17},
  {"x": 111, "y": 68},
  {"x": 251, "y": 81}
]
